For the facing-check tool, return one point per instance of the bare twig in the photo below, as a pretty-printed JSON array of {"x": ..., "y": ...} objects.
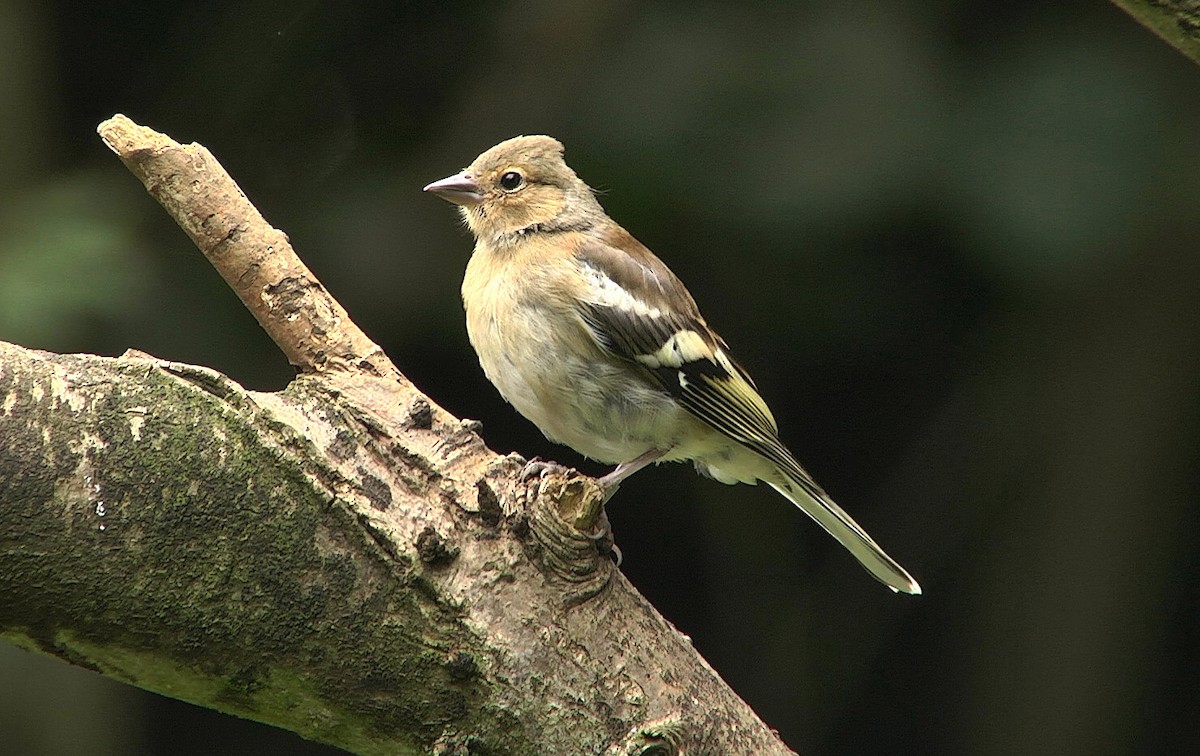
[{"x": 253, "y": 257}]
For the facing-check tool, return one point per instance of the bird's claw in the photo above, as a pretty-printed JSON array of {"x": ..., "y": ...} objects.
[
  {"x": 614, "y": 553},
  {"x": 539, "y": 468},
  {"x": 603, "y": 536}
]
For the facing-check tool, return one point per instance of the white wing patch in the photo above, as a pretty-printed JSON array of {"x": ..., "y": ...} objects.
[{"x": 606, "y": 292}]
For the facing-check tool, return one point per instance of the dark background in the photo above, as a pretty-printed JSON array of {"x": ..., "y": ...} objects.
[{"x": 955, "y": 242}]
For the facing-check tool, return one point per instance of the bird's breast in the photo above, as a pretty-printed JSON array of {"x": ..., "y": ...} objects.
[
  {"x": 535, "y": 348},
  {"x": 518, "y": 336}
]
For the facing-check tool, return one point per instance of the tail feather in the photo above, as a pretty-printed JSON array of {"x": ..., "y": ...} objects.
[{"x": 815, "y": 503}]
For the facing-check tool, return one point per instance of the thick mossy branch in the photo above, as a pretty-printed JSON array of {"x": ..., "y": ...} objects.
[
  {"x": 183, "y": 542},
  {"x": 291, "y": 558}
]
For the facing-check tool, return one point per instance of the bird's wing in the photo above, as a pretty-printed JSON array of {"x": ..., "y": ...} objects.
[{"x": 637, "y": 309}]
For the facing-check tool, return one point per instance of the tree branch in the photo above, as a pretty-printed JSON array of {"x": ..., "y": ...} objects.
[
  {"x": 1177, "y": 22},
  {"x": 255, "y": 259},
  {"x": 343, "y": 559}
]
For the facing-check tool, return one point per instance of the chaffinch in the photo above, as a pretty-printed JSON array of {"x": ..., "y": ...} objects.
[{"x": 593, "y": 338}]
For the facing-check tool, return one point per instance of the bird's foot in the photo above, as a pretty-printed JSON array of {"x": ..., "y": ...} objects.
[
  {"x": 540, "y": 468},
  {"x": 537, "y": 468}
]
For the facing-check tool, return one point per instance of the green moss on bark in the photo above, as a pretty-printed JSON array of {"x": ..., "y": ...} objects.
[{"x": 219, "y": 570}]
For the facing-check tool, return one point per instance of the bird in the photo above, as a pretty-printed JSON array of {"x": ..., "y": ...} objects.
[{"x": 591, "y": 337}]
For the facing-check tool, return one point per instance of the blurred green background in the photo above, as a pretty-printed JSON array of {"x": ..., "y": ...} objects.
[{"x": 955, "y": 242}]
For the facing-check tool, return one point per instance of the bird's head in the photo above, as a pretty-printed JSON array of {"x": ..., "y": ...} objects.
[{"x": 521, "y": 184}]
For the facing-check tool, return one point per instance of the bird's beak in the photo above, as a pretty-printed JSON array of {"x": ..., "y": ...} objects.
[{"x": 461, "y": 189}]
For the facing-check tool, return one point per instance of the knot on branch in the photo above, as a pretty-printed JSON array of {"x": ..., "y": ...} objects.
[
  {"x": 565, "y": 517},
  {"x": 664, "y": 737}
]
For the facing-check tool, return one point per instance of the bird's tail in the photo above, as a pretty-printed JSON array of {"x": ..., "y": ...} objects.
[{"x": 801, "y": 490}]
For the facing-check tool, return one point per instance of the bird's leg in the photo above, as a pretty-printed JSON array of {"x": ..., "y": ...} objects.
[{"x": 612, "y": 481}]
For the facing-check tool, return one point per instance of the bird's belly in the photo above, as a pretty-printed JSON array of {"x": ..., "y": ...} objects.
[{"x": 573, "y": 392}]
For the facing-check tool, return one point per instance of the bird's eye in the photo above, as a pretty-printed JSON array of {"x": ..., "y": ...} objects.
[{"x": 510, "y": 180}]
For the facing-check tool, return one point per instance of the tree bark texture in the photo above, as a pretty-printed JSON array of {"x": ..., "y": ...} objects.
[{"x": 343, "y": 559}]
